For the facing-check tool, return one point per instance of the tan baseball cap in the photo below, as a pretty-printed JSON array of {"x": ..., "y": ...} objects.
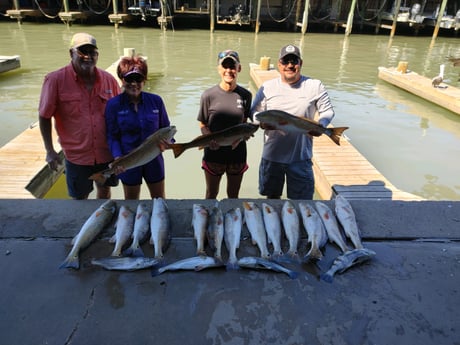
[{"x": 82, "y": 39}]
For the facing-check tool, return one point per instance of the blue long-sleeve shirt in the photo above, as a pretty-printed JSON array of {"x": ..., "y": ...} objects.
[{"x": 126, "y": 128}]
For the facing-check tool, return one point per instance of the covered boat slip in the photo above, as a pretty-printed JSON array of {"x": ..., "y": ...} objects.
[
  {"x": 396, "y": 298},
  {"x": 341, "y": 169},
  {"x": 444, "y": 95}
]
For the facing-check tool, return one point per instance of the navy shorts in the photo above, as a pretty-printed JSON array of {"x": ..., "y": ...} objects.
[
  {"x": 77, "y": 177},
  {"x": 151, "y": 172},
  {"x": 300, "y": 180}
]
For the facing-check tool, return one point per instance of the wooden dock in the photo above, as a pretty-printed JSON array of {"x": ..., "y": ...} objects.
[
  {"x": 8, "y": 63},
  {"x": 445, "y": 96},
  {"x": 23, "y": 166},
  {"x": 342, "y": 169}
]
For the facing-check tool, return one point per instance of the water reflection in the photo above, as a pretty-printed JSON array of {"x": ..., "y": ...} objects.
[{"x": 405, "y": 137}]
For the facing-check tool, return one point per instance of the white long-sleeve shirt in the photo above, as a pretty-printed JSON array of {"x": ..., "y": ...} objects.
[{"x": 303, "y": 99}]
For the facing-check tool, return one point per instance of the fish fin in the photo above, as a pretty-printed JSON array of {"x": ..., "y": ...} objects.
[
  {"x": 327, "y": 277},
  {"x": 290, "y": 257},
  {"x": 336, "y": 133},
  {"x": 99, "y": 177},
  {"x": 314, "y": 254},
  {"x": 201, "y": 253},
  {"x": 71, "y": 262},
  {"x": 178, "y": 149}
]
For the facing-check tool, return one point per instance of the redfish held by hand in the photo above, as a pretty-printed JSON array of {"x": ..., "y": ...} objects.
[
  {"x": 286, "y": 122},
  {"x": 88, "y": 232},
  {"x": 141, "y": 155},
  {"x": 231, "y": 136}
]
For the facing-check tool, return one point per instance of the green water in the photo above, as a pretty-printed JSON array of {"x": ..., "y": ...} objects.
[{"x": 414, "y": 143}]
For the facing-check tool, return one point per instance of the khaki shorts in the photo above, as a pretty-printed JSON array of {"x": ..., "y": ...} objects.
[{"x": 218, "y": 169}]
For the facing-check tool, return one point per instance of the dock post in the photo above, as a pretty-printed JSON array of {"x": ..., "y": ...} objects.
[
  {"x": 395, "y": 17},
  {"x": 305, "y": 17},
  {"x": 258, "y": 16},
  {"x": 350, "y": 18},
  {"x": 115, "y": 12},
  {"x": 212, "y": 15},
  {"x": 439, "y": 19}
]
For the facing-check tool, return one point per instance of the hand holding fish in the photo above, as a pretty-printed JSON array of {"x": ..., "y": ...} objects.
[
  {"x": 53, "y": 159},
  {"x": 117, "y": 169},
  {"x": 267, "y": 126}
]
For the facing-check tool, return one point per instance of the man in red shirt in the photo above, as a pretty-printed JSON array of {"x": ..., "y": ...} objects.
[{"x": 76, "y": 95}]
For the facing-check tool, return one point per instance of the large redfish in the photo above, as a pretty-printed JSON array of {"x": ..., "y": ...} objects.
[
  {"x": 290, "y": 123},
  {"x": 231, "y": 136},
  {"x": 141, "y": 155}
]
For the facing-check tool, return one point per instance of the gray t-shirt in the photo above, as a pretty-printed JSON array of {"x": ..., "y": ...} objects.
[{"x": 304, "y": 98}]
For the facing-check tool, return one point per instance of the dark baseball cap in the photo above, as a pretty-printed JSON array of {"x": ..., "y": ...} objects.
[{"x": 290, "y": 50}]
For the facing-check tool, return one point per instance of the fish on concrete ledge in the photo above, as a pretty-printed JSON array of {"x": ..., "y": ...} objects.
[
  {"x": 141, "y": 155},
  {"x": 88, "y": 232},
  {"x": 286, "y": 122}
]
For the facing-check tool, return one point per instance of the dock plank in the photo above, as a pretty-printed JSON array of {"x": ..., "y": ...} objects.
[
  {"x": 23, "y": 158},
  {"x": 342, "y": 169},
  {"x": 445, "y": 96}
]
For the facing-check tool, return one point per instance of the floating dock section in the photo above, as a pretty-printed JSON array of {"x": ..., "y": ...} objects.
[
  {"x": 341, "y": 169},
  {"x": 8, "y": 63},
  {"x": 445, "y": 96}
]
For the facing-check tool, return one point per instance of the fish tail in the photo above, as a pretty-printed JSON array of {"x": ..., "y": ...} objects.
[
  {"x": 293, "y": 274},
  {"x": 201, "y": 252},
  {"x": 327, "y": 277},
  {"x": 313, "y": 254},
  {"x": 232, "y": 266},
  {"x": 178, "y": 149},
  {"x": 158, "y": 268},
  {"x": 336, "y": 133},
  {"x": 71, "y": 262},
  {"x": 98, "y": 177},
  {"x": 134, "y": 251},
  {"x": 290, "y": 257}
]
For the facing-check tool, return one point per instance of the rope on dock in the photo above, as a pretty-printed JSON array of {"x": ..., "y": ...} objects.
[
  {"x": 283, "y": 19},
  {"x": 42, "y": 11}
]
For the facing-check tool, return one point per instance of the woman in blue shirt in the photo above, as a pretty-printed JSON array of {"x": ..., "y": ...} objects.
[{"x": 131, "y": 117}]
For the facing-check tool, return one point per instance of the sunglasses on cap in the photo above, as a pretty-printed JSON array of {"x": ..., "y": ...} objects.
[
  {"x": 134, "y": 78},
  {"x": 294, "y": 60},
  {"x": 227, "y": 53}
]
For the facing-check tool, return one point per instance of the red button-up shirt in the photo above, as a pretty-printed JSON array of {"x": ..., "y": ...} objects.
[{"x": 78, "y": 113}]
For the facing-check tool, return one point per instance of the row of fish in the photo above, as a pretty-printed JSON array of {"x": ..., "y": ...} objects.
[
  {"x": 264, "y": 225},
  {"x": 231, "y": 136}
]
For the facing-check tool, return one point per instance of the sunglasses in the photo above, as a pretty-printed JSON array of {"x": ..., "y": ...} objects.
[
  {"x": 84, "y": 52},
  {"x": 226, "y": 53},
  {"x": 134, "y": 78},
  {"x": 290, "y": 60}
]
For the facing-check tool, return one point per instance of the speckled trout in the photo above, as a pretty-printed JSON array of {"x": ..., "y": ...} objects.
[
  {"x": 273, "y": 227},
  {"x": 347, "y": 260},
  {"x": 160, "y": 227},
  {"x": 195, "y": 263},
  {"x": 125, "y": 263},
  {"x": 232, "y": 235},
  {"x": 141, "y": 230},
  {"x": 124, "y": 229},
  {"x": 199, "y": 224},
  {"x": 231, "y": 136},
  {"x": 291, "y": 226},
  {"x": 88, "y": 232},
  {"x": 255, "y": 223},
  {"x": 215, "y": 230},
  {"x": 317, "y": 236},
  {"x": 332, "y": 227},
  {"x": 347, "y": 219},
  {"x": 141, "y": 155},
  {"x": 290, "y": 123}
]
